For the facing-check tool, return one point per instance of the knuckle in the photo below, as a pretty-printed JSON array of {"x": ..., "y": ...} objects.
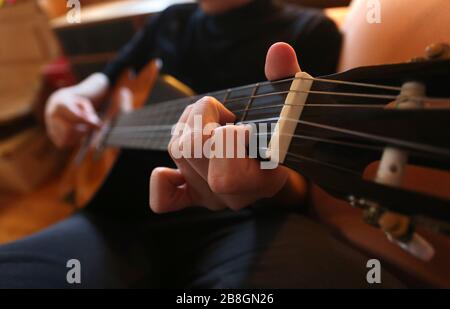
[
  {"x": 208, "y": 100},
  {"x": 157, "y": 173},
  {"x": 187, "y": 138},
  {"x": 188, "y": 109},
  {"x": 204, "y": 102},
  {"x": 216, "y": 184},
  {"x": 223, "y": 184}
]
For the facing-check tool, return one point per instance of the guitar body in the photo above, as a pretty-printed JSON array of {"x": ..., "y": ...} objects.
[{"x": 93, "y": 163}]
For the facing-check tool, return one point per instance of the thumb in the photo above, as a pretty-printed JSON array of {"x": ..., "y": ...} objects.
[
  {"x": 168, "y": 191},
  {"x": 281, "y": 62}
]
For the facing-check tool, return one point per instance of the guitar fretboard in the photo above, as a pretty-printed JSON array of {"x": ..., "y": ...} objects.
[{"x": 150, "y": 127}]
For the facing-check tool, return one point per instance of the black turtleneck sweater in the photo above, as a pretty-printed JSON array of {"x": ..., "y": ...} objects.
[{"x": 216, "y": 52}]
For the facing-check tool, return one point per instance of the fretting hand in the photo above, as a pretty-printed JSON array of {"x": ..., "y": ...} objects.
[{"x": 219, "y": 183}]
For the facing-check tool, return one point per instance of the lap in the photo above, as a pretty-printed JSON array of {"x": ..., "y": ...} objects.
[
  {"x": 109, "y": 252},
  {"x": 266, "y": 248},
  {"x": 261, "y": 248}
]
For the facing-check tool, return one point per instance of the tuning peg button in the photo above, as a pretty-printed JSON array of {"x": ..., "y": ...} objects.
[
  {"x": 418, "y": 246},
  {"x": 437, "y": 51}
]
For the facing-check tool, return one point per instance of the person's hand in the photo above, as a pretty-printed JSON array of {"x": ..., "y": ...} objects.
[
  {"x": 69, "y": 117},
  {"x": 219, "y": 183},
  {"x": 70, "y": 113}
]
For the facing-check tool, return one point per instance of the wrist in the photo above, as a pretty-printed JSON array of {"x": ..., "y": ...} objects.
[
  {"x": 94, "y": 88},
  {"x": 294, "y": 190}
]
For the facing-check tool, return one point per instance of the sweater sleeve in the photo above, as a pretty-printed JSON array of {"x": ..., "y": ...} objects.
[
  {"x": 318, "y": 44},
  {"x": 137, "y": 52}
]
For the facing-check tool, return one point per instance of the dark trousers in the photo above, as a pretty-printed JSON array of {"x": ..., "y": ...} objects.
[{"x": 120, "y": 244}]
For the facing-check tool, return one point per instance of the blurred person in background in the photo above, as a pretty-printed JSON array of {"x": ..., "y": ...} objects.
[{"x": 209, "y": 45}]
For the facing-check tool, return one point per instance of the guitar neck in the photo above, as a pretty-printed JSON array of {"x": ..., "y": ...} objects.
[
  {"x": 149, "y": 128},
  {"x": 343, "y": 127}
]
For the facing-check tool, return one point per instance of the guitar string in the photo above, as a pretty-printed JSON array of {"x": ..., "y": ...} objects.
[
  {"x": 321, "y": 80},
  {"x": 388, "y": 140},
  {"x": 161, "y": 143},
  {"x": 130, "y": 128},
  {"x": 318, "y": 79},
  {"x": 389, "y": 97},
  {"x": 264, "y": 84},
  {"x": 142, "y": 137},
  {"x": 150, "y": 116},
  {"x": 300, "y": 159},
  {"x": 333, "y": 81},
  {"x": 439, "y": 226},
  {"x": 180, "y": 107},
  {"x": 320, "y": 162},
  {"x": 339, "y": 143},
  {"x": 349, "y": 94},
  {"x": 376, "y": 86},
  {"x": 146, "y": 110},
  {"x": 298, "y": 136}
]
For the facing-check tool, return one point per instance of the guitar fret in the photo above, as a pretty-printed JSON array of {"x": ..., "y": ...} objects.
[
  {"x": 238, "y": 100},
  {"x": 249, "y": 103},
  {"x": 226, "y": 97}
]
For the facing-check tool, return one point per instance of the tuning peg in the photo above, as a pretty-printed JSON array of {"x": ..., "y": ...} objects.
[
  {"x": 418, "y": 247},
  {"x": 400, "y": 230},
  {"x": 437, "y": 51}
]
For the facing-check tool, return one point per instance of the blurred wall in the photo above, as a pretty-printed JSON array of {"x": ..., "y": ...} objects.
[
  {"x": 55, "y": 8},
  {"x": 320, "y": 3},
  {"x": 405, "y": 30}
]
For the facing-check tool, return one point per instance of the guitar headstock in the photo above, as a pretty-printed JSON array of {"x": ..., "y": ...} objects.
[{"x": 378, "y": 137}]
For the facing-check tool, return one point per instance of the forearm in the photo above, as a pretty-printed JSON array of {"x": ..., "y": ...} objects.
[{"x": 94, "y": 88}]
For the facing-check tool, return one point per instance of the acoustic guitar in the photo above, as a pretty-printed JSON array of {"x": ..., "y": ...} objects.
[
  {"x": 375, "y": 137},
  {"x": 332, "y": 129}
]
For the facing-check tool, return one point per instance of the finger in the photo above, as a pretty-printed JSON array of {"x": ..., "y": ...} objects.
[
  {"x": 211, "y": 111},
  {"x": 199, "y": 190},
  {"x": 88, "y": 111},
  {"x": 206, "y": 115},
  {"x": 168, "y": 191},
  {"x": 65, "y": 134},
  {"x": 81, "y": 111},
  {"x": 126, "y": 100},
  {"x": 235, "y": 173},
  {"x": 281, "y": 62},
  {"x": 179, "y": 127},
  {"x": 174, "y": 148},
  {"x": 245, "y": 176}
]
